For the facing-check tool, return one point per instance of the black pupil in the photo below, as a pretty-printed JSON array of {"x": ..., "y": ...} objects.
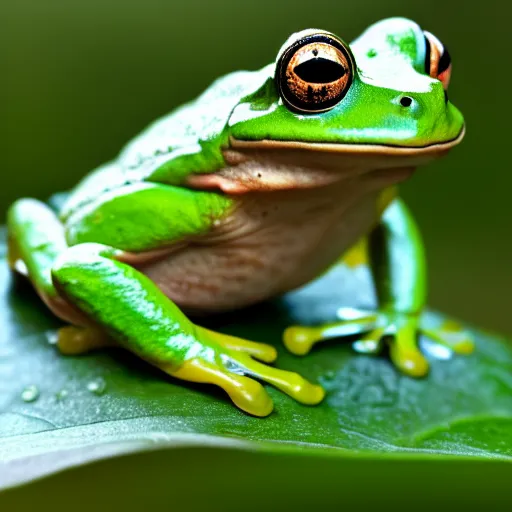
[
  {"x": 319, "y": 71},
  {"x": 406, "y": 101}
]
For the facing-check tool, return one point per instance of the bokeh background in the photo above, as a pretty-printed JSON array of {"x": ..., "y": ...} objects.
[{"x": 80, "y": 78}]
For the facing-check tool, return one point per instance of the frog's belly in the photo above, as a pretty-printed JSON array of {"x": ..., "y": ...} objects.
[{"x": 262, "y": 253}]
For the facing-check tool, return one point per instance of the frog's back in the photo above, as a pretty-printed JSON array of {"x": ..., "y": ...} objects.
[{"x": 181, "y": 131}]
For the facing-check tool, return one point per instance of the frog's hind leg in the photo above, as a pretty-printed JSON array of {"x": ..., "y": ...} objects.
[
  {"x": 141, "y": 318},
  {"x": 108, "y": 301}
]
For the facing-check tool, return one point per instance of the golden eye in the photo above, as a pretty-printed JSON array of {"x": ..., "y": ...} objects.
[
  {"x": 438, "y": 63},
  {"x": 314, "y": 73}
]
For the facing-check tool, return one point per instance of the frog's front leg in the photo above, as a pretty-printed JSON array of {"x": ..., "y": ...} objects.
[
  {"x": 117, "y": 303},
  {"x": 398, "y": 266}
]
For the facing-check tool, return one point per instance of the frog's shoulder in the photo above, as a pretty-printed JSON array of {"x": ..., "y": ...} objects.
[{"x": 200, "y": 120}]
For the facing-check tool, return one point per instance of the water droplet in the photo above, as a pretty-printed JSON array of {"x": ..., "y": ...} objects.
[
  {"x": 97, "y": 386},
  {"x": 30, "y": 394},
  {"x": 52, "y": 337},
  {"x": 62, "y": 394}
]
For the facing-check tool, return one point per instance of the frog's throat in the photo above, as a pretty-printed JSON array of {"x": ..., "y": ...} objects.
[
  {"x": 351, "y": 149},
  {"x": 270, "y": 165}
]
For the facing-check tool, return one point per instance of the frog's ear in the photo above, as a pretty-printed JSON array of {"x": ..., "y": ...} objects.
[{"x": 438, "y": 63}]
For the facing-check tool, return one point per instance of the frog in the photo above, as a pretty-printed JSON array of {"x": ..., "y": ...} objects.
[{"x": 254, "y": 189}]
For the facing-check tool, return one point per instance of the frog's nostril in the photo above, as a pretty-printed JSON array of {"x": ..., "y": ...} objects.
[{"x": 406, "y": 101}]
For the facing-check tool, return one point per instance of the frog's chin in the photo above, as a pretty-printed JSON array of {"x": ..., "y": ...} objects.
[{"x": 269, "y": 165}]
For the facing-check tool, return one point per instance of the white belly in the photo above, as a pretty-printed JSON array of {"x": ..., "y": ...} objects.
[{"x": 271, "y": 243}]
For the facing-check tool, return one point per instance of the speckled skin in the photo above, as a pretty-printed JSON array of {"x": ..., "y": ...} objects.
[{"x": 238, "y": 197}]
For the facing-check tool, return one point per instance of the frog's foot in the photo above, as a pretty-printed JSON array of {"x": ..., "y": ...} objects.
[
  {"x": 375, "y": 328},
  {"x": 73, "y": 340},
  {"x": 235, "y": 368},
  {"x": 231, "y": 368}
]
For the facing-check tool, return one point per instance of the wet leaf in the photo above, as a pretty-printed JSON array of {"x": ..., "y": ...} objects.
[{"x": 374, "y": 421}]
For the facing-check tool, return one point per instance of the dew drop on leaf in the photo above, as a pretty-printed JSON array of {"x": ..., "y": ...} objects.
[
  {"x": 97, "y": 386},
  {"x": 30, "y": 394},
  {"x": 52, "y": 337}
]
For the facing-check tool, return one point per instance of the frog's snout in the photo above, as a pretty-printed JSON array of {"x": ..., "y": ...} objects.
[
  {"x": 408, "y": 101},
  {"x": 409, "y": 105}
]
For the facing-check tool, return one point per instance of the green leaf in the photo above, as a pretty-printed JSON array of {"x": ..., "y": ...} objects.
[{"x": 453, "y": 428}]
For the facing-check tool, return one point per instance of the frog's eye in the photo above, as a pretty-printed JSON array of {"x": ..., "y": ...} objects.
[
  {"x": 314, "y": 73},
  {"x": 438, "y": 63}
]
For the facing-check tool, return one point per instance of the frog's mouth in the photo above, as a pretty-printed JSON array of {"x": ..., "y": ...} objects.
[
  {"x": 434, "y": 150},
  {"x": 267, "y": 165}
]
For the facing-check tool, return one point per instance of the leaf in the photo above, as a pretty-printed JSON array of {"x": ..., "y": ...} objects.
[{"x": 375, "y": 424}]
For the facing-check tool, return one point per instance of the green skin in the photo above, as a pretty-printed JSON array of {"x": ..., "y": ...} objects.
[{"x": 79, "y": 259}]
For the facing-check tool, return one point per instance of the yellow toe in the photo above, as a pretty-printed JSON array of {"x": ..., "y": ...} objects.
[
  {"x": 464, "y": 347},
  {"x": 246, "y": 393},
  {"x": 308, "y": 393},
  {"x": 300, "y": 340},
  {"x": 251, "y": 397},
  {"x": 409, "y": 362},
  {"x": 290, "y": 383},
  {"x": 261, "y": 351}
]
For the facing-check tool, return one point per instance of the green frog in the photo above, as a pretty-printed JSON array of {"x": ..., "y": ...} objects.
[{"x": 255, "y": 188}]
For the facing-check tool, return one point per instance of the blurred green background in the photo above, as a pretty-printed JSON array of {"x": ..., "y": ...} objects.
[{"x": 82, "y": 77}]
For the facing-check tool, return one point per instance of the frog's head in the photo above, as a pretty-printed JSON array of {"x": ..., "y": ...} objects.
[{"x": 381, "y": 101}]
